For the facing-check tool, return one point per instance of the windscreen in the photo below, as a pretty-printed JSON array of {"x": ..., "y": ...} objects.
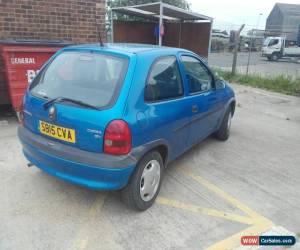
[
  {"x": 266, "y": 42},
  {"x": 92, "y": 78},
  {"x": 273, "y": 42}
]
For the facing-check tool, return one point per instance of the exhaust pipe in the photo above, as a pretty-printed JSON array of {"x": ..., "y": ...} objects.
[{"x": 29, "y": 164}]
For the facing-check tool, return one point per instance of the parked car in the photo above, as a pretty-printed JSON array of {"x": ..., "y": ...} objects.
[{"x": 113, "y": 117}]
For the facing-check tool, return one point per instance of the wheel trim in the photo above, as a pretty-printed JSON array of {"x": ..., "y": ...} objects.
[{"x": 150, "y": 179}]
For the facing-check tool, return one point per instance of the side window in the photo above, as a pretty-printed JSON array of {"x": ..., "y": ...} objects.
[
  {"x": 164, "y": 81},
  {"x": 198, "y": 77},
  {"x": 273, "y": 42}
]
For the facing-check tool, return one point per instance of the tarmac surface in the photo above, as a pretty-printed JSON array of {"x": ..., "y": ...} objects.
[{"x": 210, "y": 197}]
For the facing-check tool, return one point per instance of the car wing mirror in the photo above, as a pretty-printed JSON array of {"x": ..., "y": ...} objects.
[{"x": 220, "y": 84}]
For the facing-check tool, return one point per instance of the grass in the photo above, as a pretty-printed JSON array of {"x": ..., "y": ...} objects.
[{"x": 281, "y": 84}]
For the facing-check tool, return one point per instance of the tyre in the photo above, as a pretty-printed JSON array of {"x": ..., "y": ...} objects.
[
  {"x": 269, "y": 58},
  {"x": 145, "y": 182},
  {"x": 274, "y": 57},
  {"x": 224, "y": 130}
]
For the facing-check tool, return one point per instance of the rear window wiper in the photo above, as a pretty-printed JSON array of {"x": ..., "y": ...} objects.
[{"x": 64, "y": 99}]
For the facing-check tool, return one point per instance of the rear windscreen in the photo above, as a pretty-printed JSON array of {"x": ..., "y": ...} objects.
[{"x": 92, "y": 78}]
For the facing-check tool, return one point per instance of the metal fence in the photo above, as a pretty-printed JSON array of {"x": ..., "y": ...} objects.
[
  {"x": 249, "y": 57},
  {"x": 258, "y": 65}
]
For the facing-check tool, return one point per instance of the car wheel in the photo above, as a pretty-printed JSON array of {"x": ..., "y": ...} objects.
[
  {"x": 274, "y": 57},
  {"x": 144, "y": 185},
  {"x": 224, "y": 130}
]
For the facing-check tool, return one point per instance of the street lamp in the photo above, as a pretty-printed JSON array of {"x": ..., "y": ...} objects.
[{"x": 258, "y": 19}]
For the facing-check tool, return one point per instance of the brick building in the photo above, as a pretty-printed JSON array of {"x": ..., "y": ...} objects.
[{"x": 67, "y": 20}]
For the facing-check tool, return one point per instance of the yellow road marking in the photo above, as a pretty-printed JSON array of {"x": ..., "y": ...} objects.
[
  {"x": 259, "y": 224},
  {"x": 221, "y": 193},
  {"x": 207, "y": 211},
  {"x": 82, "y": 237},
  {"x": 234, "y": 240}
]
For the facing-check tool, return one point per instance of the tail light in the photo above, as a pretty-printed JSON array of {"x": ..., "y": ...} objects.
[{"x": 117, "y": 138}]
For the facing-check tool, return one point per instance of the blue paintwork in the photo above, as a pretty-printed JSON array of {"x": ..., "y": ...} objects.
[
  {"x": 78, "y": 173},
  {"x": 168, "y": 123}
]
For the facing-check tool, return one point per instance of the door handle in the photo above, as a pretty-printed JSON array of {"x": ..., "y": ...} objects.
[{"x": 194, "y": 108}]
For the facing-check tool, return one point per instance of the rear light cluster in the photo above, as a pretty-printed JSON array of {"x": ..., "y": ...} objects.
[{"x": 117, "y": 138}]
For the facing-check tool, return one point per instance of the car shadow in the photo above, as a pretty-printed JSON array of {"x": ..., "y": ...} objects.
[{"x": 54, "y": 186}]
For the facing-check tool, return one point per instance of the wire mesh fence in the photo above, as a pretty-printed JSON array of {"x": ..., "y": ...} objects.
[
  {"x": 258, "y": 65},
  {"x": 283, "y": 58}
]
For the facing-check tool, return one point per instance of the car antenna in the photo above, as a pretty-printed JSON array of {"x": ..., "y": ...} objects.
[{"x": 98, "y": 31}]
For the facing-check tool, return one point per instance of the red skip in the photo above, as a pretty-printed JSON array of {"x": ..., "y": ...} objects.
[{"x": 22, "y": 61}]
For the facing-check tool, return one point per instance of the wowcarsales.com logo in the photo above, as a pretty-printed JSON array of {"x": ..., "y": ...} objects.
[{"x": 268, "y": 240}]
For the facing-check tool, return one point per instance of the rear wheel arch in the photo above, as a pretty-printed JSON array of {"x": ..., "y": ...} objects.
[
  {"x": 163, "y": 151},
  {"x": 161, "y": 148},
  {"x": 133, "y": 194},
  {"x": 232, "y": 106}
]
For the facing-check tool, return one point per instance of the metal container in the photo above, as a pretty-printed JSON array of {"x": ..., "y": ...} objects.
[{"x": 22, "y": 60}]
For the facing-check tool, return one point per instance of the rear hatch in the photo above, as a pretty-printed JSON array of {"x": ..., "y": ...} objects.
[{"x": 72, "y": 98}]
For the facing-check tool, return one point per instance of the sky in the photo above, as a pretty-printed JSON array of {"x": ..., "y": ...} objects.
[{"x": 230, "y": 14}]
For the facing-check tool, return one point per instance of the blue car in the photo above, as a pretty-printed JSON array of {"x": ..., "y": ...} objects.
[{"x": 112, "y": 117}]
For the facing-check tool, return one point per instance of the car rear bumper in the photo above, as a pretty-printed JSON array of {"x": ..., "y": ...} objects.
[{"x": 93, "y": 170}]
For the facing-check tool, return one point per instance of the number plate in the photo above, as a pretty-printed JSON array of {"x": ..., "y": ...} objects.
[{"x": 61, "y": 133}]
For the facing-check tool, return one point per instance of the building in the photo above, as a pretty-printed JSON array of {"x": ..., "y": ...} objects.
[
  {"x": 256, "y": 33},
  {"x": 69, "y": 20},
  {"x": 66, "y": 20},
  {"x": 219, "y": 40},
  {"x": 220, "y": 35},
  {"x": 255, "y": 37},
  {"x": 284, "y": 20}
]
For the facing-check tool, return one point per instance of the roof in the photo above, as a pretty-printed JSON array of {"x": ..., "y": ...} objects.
[
  {"x": 170, "y": 12},
  {"x": 125, "y": 48},
  {"x": 289, "y": 9}
]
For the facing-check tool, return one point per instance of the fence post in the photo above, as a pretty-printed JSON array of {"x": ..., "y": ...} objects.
[{"x": 236, "y": 47}]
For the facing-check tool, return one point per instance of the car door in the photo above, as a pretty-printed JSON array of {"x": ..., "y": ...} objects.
[
  {"x": 205, "y": 102},
  {"x": 167, "y": 105}
]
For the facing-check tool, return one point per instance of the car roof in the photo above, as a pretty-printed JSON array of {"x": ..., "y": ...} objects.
[{"x": 126, "y": 48}]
